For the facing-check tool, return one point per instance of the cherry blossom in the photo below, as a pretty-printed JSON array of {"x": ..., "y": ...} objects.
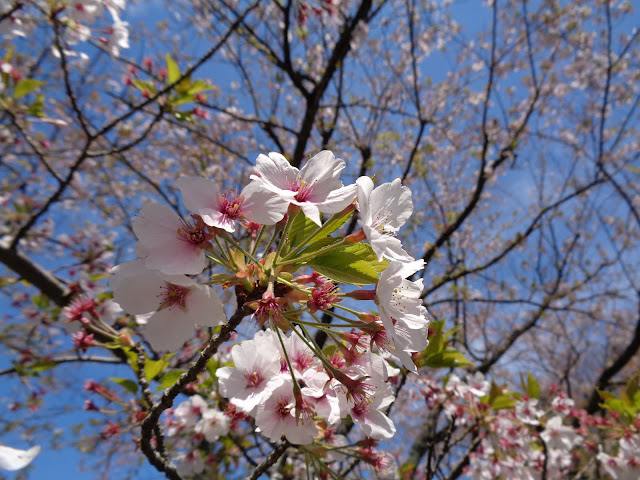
[
  {"x": 254, "y": 204},
  {"x": 382, "y": 212},
  {"x": 253, "y": 377},
  {"x": 315, "y": 188},
  {"x": 213, "y": 425},
  {"x": 178, "y": 303},
  {"x": 277, "y": 416},
  {"x": 172, "y": 245},
  {"x": 404, "y": 317}
]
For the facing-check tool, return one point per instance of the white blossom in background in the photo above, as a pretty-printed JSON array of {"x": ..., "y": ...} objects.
[
  {"x": 188, "y": 412},
  {"x": 527, "y": 411},
  {"x": 12, "y": 459},
  {"x": 213, "y": 424}
]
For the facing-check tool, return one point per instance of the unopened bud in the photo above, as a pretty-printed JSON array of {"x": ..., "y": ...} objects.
[{"x": 125, "y": 339}]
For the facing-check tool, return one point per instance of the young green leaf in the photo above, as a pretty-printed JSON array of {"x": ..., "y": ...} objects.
[
  {"x": 26, "y": 86},
  {"x": 356, "y": 264}
]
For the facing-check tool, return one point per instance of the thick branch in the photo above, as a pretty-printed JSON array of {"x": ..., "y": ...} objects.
[
  {"x": 313, "y": 101},
  {"x": 37, "y": 276}
]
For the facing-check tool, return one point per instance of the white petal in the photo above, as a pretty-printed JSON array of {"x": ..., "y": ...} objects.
[
  {"x": 168, "y": 329},
  {"x": 205, "y": 307},
  {"x": 365, "y": 187},
  {"x": 13, "y": 459},
  {"x": 376, "y": 425},
  {"x": 261, "y": 205},
  {"x": 392, "y": 202},
  {"x": 275, "y": 172},
  {"x": 177, "y": 258},
  {"x": 338, "y": 199},
  {"x": 311, "y": 211},
  {"x": 136, "y": 288},
  {"x": 323, "y": 171},
  {"x": 157, "y": 229},
  {"x": 198, "y": 194}
]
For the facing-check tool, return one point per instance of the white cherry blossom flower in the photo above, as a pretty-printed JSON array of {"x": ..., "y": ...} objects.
[
  {"x": 189, "y": 463},
  {"x": 315, "y": 188},
  {"x": 405, "y": 319},
  {"x": 277, "y": 416},
  {"x": 527, "y": 411},
  {"x": 172, "y": 245},
  {"x": 178, "y": 303},
  {"x": 558, "y": 436},
  {"x": 368, "y": 416},
  {"x": 189, "y": 411},
  {"x": 255, "y": 204},
  {"x": 213, "y": 425},
  {"x": 382, "y": 212},
  {"x": 119, "y": 37},
  {"x": 252, "y": 379},
  {"x": 14, "y": 459}
]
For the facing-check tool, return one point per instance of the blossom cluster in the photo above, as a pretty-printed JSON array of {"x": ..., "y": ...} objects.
[
  {"x": 523, "y": 437},
  {"x": 282, "y": 379},
  {"x": 76, "y": 17}
]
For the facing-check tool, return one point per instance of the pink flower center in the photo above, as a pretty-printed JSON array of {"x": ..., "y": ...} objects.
[
  {"x": 173, "y": 296},
  {"x": 231, "y": 205},
  {"x": 323, "y": 298},
  {"x": 253, "y": 379},
  {"x": 283, "y": 408},
  {"x": 194, "y": 233},
  {"x": 268, "y": 309},
  {"x": 302, "y": 188},
  {"x": 302, "y": 360},
  {"x": 360, "y": 409}
]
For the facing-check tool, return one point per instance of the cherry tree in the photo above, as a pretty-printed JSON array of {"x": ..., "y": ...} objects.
[{"x": 323, "y": 239}]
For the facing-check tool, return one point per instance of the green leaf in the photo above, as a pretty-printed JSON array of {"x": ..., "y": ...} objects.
[
  {"x": 198, "y": 86},
  {"x": 436, "y": 339},
  {"x": 26, "y": 86},
  {"x": 355, "y": 264},
  {"x": 169, "y": 379},
  {"x": 173, "y": 72},
  {"x": 152, "y": 368},
  {"x": 41, "y": 366},
  {"x": 40, "y": 301},
  {"x": 144, "y": 86},
  {"x": 36, "y": 109},
  {"x": 632, "y": 386},
  {"x": 4, "y": 281},
  {"x": 128, "y": 385},
  {"x": 448, "y": 358},
  {"x": 212, "y": 366},
  {"x": 502, "y": 402},
  {"x": 183, "y": 116},
  {"x": 533, "y": 389},
  {"x": 302, "y": 227}
]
